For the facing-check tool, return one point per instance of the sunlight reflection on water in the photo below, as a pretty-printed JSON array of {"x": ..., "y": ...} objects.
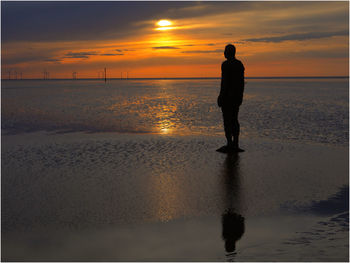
[{"x": 305, "y": 110}]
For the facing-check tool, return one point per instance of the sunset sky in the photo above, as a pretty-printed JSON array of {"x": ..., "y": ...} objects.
[{"x": 272, "y": 38}]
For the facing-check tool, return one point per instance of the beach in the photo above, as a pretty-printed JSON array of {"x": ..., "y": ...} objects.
[
  {"x": 137, "y": 177},
  {"x": 107, "y": 197},
  {"x": 116, "y": 127}
]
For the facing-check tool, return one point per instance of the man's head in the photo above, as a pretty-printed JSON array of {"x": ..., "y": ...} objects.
[{"x": 230, "y": 51}]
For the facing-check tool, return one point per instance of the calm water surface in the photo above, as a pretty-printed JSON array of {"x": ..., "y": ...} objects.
[
  {"x": 127, "y": 171},
  {"x": 308, "y": 110}
]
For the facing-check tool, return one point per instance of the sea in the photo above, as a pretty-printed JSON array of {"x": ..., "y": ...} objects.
[
  {"x": 289, "y": 109},
  {"x": 126, "y": 170}
]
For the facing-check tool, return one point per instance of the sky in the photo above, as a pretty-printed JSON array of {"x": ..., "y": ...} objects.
[{"x": 272, "y": 38}]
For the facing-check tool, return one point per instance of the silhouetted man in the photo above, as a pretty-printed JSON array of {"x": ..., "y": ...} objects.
[{"x": 231, "y": 96}]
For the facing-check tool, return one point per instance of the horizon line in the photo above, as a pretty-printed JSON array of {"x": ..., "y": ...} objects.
[{"x": 157, "y": 78}]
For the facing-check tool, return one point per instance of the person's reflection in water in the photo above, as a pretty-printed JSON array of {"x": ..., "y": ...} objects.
[{"x": 232, "y": 221}]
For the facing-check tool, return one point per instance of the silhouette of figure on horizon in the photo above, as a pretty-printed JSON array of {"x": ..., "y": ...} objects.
[
  {"x": 231, "y": 97},
  {"x": 232, "y": 222}
]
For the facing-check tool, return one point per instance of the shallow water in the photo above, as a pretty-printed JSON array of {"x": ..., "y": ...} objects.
[
  {"x": 127, "y": 171},
  {"x": 150, "y": 197},
  {"x": 309, "y": 110}
]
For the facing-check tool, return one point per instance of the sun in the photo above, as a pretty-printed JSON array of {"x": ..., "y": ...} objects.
[
  {"x": 164, "y": 25},
  {"x": 164, "y": 22}
]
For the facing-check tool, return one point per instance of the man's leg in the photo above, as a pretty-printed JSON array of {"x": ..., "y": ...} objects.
[
  {"x": 228, "y": 124},
  {"x": 236, "y": 129}
]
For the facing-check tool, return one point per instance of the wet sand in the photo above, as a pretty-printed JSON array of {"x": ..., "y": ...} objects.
[{"x": 114, "y": 197}]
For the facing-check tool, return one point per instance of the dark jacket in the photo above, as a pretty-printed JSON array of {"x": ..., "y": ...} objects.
[{"x": 232, "y": 83}]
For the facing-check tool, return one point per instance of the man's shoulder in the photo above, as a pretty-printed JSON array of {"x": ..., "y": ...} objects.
[
  {"x": 237, "y": 61},
  {"x": 232, "y": 63},
  {"x": 225, "y": 63},
  {"x": 225, "y": 66}
]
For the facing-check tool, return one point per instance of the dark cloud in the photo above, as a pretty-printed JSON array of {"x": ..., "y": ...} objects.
[
  {"x": 203, "y": 51},
  {"x": 304, "y": 36},
  {"x": 113, "y": 54},
  {"x": 124, "y": 50},
  {"x": 80, "y": 54},
  {"x": 25, "y": 57},
  {"x": 165, "y": 47},
  {"x": 333, "y": 16},
  {"x": 93, "y": 20},
  {"x": 332, "y": 54},
  {"x": 339, "y": 53},
  {"x": 54, "y": 60},
  {"x": 197, "y": 9},
  {"x": 197, "y": 45},
  {"x": 82, "y": 20}
]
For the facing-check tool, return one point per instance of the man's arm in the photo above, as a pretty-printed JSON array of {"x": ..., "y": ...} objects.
[
  {"x": 241, "y": 86},
  {"x": 223, "y": 86}
]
